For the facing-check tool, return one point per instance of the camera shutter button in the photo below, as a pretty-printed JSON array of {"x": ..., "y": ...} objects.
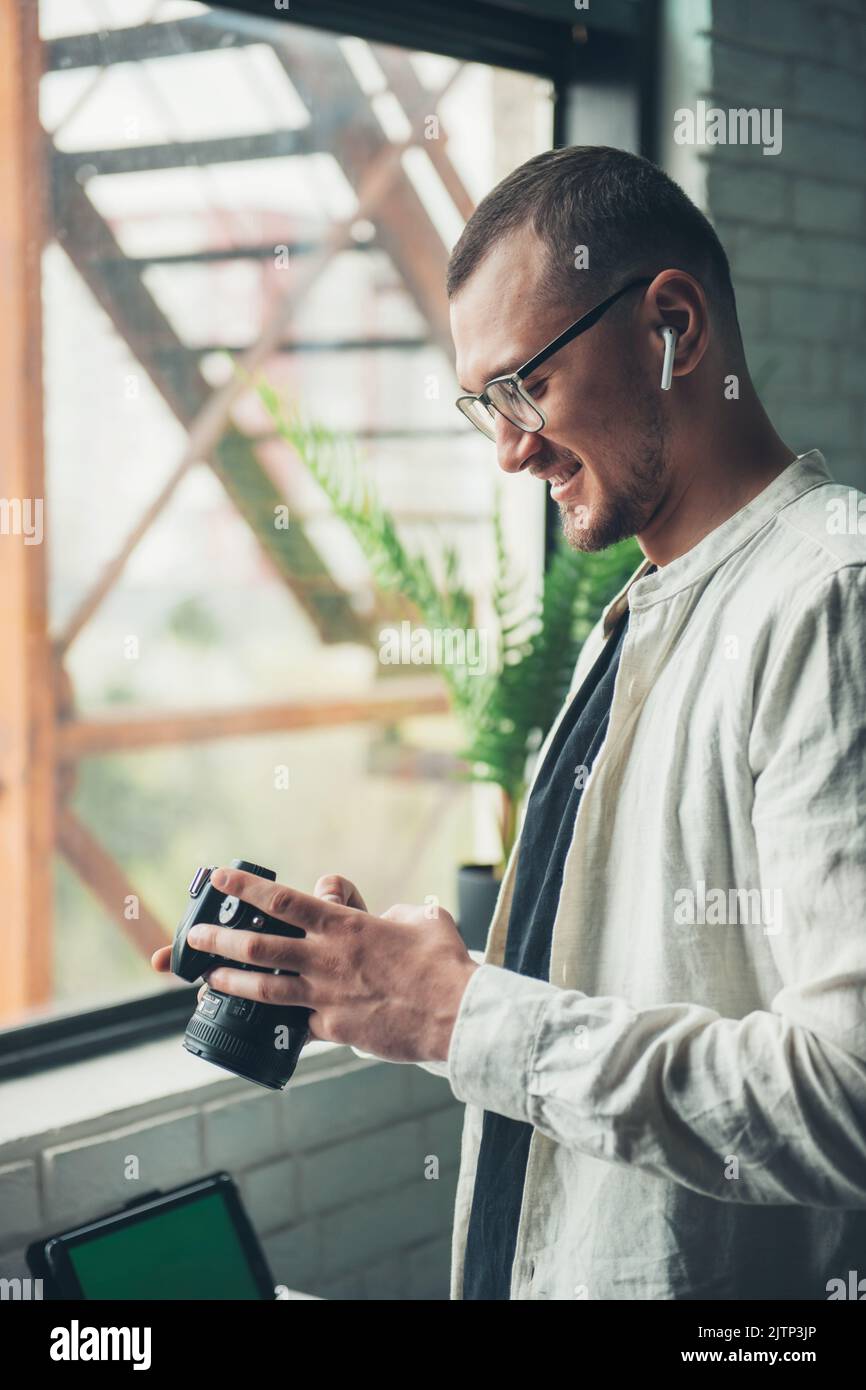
[{"x": 228, "y": 909}]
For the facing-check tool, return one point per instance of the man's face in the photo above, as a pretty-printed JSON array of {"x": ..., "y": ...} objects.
[{"x": 605, "y": 432}]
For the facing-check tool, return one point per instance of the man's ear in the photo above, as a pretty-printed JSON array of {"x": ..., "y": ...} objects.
[{"x": 676, "y": 300}]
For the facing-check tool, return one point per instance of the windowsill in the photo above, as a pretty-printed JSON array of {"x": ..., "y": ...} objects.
[{"x": 131, "y": 1083}]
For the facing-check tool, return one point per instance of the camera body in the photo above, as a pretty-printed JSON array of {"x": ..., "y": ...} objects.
[{"x": 261, "y": 1042}]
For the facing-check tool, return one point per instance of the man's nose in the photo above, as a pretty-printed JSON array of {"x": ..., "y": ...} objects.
[{"x": 514, "y": 446}]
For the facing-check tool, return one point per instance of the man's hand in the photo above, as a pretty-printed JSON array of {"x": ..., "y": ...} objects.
[{"x": 388, "y": 985}]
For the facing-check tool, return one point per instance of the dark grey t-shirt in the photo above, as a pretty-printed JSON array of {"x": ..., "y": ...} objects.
[{"x": 544, "y": 844}]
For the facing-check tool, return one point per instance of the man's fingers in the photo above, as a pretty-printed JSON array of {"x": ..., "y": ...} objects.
[
  {"x": 276, "y": 899},
  {"x": 335, "y": 888},
  {"x": 161, "y": 959},
  {"x": 265, "y": 988},
  {"x": 251, "y": 947}
]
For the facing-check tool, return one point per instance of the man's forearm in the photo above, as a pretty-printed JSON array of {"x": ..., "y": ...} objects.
[{"x": 670, "y": 1089}]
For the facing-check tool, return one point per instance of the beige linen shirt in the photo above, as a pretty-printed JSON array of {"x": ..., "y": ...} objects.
[{"x": 695, "y": 1068}]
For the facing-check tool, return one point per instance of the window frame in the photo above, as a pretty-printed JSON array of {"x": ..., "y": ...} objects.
[{"x": 510, "y": 35}]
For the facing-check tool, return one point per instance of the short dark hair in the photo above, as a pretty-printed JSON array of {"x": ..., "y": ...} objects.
[{"x": 627, "y": 211}]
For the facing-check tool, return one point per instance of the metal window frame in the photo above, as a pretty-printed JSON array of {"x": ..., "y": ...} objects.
[
  {"x": 72, "y": 1037},
  {"x": 474, "y": 30},
  {"x": 507, "y": 35}
]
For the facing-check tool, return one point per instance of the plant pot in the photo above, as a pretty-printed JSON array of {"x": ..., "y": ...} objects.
[{"x": 477, "y": 891}]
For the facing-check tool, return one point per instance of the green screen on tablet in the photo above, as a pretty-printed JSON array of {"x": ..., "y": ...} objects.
[{"x": 190, "y": 1250}]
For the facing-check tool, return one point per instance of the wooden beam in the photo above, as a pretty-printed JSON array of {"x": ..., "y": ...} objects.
[
  {"x": 415, "y": 100},
  {"x": 217, "y": 254},
  {"x": 109, "y": 884},
  {"x": 90, "y": 243},
  {"x": 26, "y": 671},
  {"x": 123, "y": 295},
  {"x": 399, "y": 432},
  {"x": 228, "y": 149},
  {"x": 324, "y": 80},
  {"x": 87, "y": 738},
  {"x": 373, "y": 166},
  {"x": 138, "y": 42},
  {"x": 303, "y": 345}
]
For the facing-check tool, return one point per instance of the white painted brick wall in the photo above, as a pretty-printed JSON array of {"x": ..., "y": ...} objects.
[
  {"x": 799, "y": 225},
  {"x": 19, "y": 1200},
  {"x": 84, "y": 1178},
  {"x": 793, "y": 224},
  {"x": 331, "y": 1173}
]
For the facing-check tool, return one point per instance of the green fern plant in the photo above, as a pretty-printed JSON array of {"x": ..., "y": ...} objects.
[
  {"x": 506, "y": 711},
  {"x": 535, "y": 669}
]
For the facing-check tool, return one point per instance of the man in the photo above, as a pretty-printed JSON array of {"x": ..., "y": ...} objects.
[{"x": 663, "y": 1051}]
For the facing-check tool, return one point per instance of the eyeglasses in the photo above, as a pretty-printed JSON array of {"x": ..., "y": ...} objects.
[{"x": 508, "y": 395}]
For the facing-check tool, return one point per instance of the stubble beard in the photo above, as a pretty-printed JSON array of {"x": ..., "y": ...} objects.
[{"x": 627, "y": 506}]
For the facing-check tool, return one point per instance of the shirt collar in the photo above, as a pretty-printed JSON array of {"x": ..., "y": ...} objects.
[{"x": 805, "y": 472}]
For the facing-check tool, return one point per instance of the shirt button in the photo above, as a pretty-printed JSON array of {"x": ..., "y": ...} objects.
[
  {"x": 531, "y": 1270},
  {"x": 632, "y": 686}
]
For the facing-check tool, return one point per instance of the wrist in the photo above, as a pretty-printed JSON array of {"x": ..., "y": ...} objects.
[{"x": 454, "y": 995}]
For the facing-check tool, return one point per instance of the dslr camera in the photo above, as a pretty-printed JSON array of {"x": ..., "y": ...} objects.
[{"x": 261, "y": 1042}]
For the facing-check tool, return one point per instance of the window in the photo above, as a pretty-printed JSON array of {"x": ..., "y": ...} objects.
[{"x": 198, "y": 686}]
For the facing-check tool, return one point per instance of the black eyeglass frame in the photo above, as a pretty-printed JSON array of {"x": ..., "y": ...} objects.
[{"x": 517, "y": 378}]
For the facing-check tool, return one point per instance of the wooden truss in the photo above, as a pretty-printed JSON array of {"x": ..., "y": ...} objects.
[{"x": 43, "y": 194}]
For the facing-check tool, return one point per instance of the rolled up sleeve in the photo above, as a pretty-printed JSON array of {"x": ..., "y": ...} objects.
[{"x": 495, "y": 1035}]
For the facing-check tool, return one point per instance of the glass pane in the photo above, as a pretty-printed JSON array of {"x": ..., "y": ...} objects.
[{"x": 208, "y": 202}]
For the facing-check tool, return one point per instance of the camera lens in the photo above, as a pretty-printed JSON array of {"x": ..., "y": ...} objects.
[{"x": 260, "y": 1042}]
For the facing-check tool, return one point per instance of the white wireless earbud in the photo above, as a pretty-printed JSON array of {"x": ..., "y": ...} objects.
[{"x": 670, "y": 336}]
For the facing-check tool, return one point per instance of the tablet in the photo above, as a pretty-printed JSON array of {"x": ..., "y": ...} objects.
[{"x": 194, "y": 1242}]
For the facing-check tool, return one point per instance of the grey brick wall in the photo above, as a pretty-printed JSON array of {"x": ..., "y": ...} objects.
[
  {"x": 332, "y": 1173},
  {"x": 794, "y": 224}
]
